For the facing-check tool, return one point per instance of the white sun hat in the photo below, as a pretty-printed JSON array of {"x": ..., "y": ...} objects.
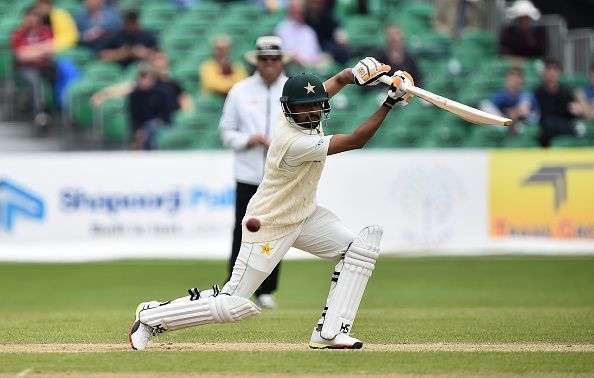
[
  {"x": 523, "y": 8},
  {"x": 268, "y": 45}
]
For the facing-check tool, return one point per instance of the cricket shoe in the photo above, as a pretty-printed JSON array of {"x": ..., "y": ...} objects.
[
  {"x": 141, "y": 333},
  {"x": 340, "y": 341},
  {"x": 266, "y": 301}
]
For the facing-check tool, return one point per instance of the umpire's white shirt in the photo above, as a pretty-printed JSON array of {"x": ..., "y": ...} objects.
[{"x": 251, "y": 107}]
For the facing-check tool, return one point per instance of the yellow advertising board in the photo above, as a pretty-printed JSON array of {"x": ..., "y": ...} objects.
[{"x": 542, "y": 193}]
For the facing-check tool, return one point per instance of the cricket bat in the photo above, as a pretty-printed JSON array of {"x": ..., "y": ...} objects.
[{"x": 465, "y": 112}]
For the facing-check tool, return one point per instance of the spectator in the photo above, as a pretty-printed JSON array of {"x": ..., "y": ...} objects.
[
  {"x": 130, "y": 44},
  {"x": 149, "y": 108},
  {"x": 394, "y": 54},
  {"x": 331, "y": 37},
  {"x": 454, "y": 17},
  {"x": 557, "y": 107},
  {"x": 522, "y": 38},
  {"x": 513, "y": 101},
  {"x": 33, "y": 47},
  {"x": 61, "y": 22},
  {"x": 250, "y": 111},
  {"x": 219, "y": 74},
  {"x": 299, "y": 38},
  {"x": 585, "y": 98},
  {"x": 178, "y": 98},
  {"x": 96, "y": 24}
]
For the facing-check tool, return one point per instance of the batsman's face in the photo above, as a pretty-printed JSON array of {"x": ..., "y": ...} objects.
[{"x": 308, "y": 115}]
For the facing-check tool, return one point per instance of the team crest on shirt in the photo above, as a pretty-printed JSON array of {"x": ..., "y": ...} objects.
[{"x": 265, "y": 249}]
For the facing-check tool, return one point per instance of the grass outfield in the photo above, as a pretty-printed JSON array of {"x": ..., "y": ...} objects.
[{"x": 425, "y": 315}]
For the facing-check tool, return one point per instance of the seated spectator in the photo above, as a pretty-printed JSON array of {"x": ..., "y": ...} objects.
[
  {"x": 96, "y": 24},
  {"x": 61, "y": 23},
  {"x": 219, "y": 74},
  {"x": 522, "y": 38},
  {"x": 129, "y": 44},
  {"x": 395, "y": 55},
  {"x": 557, "y": 106},
  {"x": 454, "y": 17},
  {"x": 177, "y": 97},
  {"x": 299, "y": 39},
  {"x": 331, "y": 37},
  {"x": 33, "y": 47},
  {"x": 513, "y": 101},
  {"x": 585, "y": 98},
  {"x": 149, "y": 108}
]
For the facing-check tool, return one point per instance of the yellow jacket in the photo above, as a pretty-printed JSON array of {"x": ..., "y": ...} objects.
[
  {"x": 64, "y": 28},
  {"x": 213, "y": 80}
]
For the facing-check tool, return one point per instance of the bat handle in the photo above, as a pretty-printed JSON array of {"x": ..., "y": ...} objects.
[{"x": 388, "y": 81}]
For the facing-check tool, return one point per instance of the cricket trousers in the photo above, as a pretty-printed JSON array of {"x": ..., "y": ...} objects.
[
  {"x": 243, "y": 194},
  {"x": 322, "y": 234}
]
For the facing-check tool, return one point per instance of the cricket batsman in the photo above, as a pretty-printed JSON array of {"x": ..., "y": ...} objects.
[{"x": 285, "y": 205}]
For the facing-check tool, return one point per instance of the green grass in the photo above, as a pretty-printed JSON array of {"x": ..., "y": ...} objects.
[{"x": 425, "y": 300}]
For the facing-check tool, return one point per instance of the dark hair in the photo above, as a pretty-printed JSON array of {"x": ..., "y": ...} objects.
[
  {"x": 131, "y": 16},
  {"x": 552, "y": 63},
  {"x": 515, "y": 70}
]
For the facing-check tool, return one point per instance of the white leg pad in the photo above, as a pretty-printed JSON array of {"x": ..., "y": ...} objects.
[
  {"x": 188, "y": 312},
  {"x": 344, "y": 300}
]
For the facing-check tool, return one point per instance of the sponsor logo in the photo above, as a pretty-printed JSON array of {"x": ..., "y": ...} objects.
[
  {"x": 78, "y": 200},
  {"x": 428, "y": 196},
  {"x": 18, "y": 202},
  {"x": 265, "y": 249},
  {"x": 537, "y": 194},
  {"x": 556, "y": 177},
  {"x": 344, "y": 327}
]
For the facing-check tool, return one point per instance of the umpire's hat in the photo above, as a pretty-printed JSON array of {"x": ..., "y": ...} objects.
[{"x": 267, "y": 46}]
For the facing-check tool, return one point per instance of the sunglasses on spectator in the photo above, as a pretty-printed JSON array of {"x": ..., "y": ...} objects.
[{"x": 274, "y": 58}]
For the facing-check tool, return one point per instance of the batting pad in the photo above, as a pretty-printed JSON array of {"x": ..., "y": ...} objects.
[
  {"x": 190, "y": 311},
  {"x": 359, "y": 262}
]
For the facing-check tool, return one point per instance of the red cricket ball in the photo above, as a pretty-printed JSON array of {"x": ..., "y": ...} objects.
[{"x": 253, "y": 224}]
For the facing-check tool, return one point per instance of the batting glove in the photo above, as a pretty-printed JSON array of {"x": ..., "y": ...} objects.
[
  {"x": 397, "y": 95},
  {"x": 368, "y": 70}
]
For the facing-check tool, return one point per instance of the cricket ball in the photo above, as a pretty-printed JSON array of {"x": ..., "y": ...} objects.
[{"x": 253, "y": 224}]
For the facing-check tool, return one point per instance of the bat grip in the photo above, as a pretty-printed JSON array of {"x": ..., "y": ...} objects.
[{"x": 388, "y": 81}]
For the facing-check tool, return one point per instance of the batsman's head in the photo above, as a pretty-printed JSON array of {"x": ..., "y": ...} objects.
[{"x": 305, "y": 101}]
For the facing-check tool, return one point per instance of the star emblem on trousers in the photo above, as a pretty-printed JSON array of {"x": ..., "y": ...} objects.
[
  {"x": 309, "y": 88},
  {"x": 265, "y": 249}
]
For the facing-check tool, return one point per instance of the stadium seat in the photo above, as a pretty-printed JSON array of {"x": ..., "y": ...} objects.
[
  {"x": 173, "y": 138},
  {"x": 486, "y": 136},
  {"x": 570, "y": 141},
  {"x": 80, "y": 56},
  {"x": 113, "y": 121},
  {"x": 522, "y": 141},
  {"x": 99, "y": 71}
]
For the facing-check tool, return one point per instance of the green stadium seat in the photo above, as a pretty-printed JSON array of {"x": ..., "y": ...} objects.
[
  {"x": 80, "y": 110},
  {"x": 244, "y": 10},
  {"x": 206, "y": 10},
  {"x": 114, "y": 121},
  {"x": 484, "y": 41},
  {"x": 81, "y": 56},
  {"x": 430, "y": 45},
  {"x": 7, "y": 26},
  {"x": 570, "y": 141},
  {"x": 522, "y": 141},
  {"x": 187, "y": 75},
  {"x": 179, "y": 44},
  {"x": 486, "y": 136},
  {"x": 99, "y": 71}
]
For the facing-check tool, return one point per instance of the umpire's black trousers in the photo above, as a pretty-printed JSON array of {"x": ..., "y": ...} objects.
[{"x": 243, "y": 194}]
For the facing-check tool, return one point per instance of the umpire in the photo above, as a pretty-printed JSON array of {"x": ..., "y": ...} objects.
[{"x": 251, "y": 109}]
